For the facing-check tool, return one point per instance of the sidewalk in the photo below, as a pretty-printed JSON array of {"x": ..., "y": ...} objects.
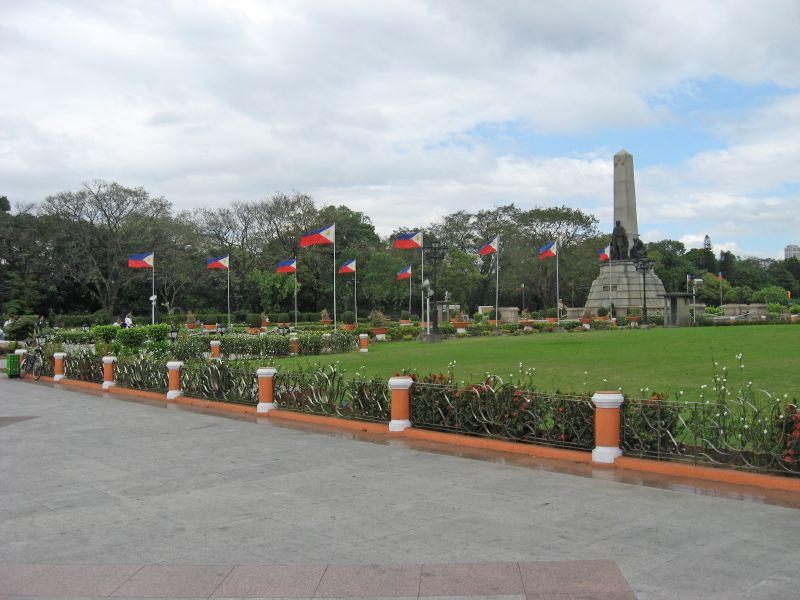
[{"x": 147, "y": 488}]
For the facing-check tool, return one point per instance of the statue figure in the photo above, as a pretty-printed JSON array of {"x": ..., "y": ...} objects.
[
  {"x": 638, "y": 251},
  {"x": 619, "y": 243}
]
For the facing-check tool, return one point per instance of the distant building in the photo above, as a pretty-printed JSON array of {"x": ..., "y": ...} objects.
[{"x": 791, "y": 251}]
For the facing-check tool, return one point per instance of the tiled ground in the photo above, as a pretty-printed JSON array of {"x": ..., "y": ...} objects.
[{"x": 101, "y": 496}]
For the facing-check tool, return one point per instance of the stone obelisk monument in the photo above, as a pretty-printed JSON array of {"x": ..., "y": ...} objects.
[
  {"x": 625, "y": 195},
  {"x": 621, "y": 285}
]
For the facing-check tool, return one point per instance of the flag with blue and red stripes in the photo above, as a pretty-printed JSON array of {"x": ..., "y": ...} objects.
[
  {"x": 223, "y": 262},
  {"x": 404, "y": 273},
  {"x": 548, "y": 250},
  {"x": 141, "y": 261},
  {"x": 287, "y": 266},
  {"x": 604, "y": 253},
  {"x": 348, "y": 267},
  {"x": 409, "y": 240},
  {"x": 323, "y": 235},
  {"x": 490, "y": 247}
]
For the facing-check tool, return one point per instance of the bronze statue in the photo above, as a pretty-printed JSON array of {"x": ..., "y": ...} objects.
[
  {"x": 638, "y": 251},
  {"x": 619, "y": 243}
]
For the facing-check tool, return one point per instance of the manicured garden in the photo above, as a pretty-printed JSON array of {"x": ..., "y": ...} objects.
[{"x": 663, "y": 360}]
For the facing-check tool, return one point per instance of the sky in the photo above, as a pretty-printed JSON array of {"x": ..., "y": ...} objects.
[{"x": 410, "y": 110}]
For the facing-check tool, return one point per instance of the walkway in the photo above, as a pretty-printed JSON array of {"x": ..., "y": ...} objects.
[{"x": 100, "y": 496}]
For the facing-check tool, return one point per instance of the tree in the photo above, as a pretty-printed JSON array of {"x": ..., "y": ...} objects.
[{"x": 100, "y": 225}]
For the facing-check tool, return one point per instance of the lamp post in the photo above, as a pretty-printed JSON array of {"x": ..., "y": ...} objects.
[
  {"x": 523, "y": 296},
  {"x": 173, "y": 334},
  {"x": 643, "y": 265}
]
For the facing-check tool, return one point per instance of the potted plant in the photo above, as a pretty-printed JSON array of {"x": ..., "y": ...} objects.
[
  {"x": 552, "y": 315},
  {"x": 493, "y": 320},
  {"x": 526, "y": 321},
  {"x": 325, "y": 317},
  {"x": 586, "y": 318},
  {"x": 191, "y": 320},
  {"x": 283, "y": 319},
  {"x": 634, "y": 314},
  {"x": 264, "y": 320},
  {"x": 602, "y": 314},
  {"x": 405, "y": 318},
  {"x": 210, "y": 323},
  {"x": 377, "y": 322},
  {"x": 460, "y": 322},
  {"x": 348, "y": 320}
]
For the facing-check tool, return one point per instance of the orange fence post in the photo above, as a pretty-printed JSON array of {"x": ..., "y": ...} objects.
[
  {"x": 58, "y": 365},
  {"x": 108, "y": 371},
  {"x": 363, "y": 342},
  {"x": 174, "y": 373},
  {"x": 215, "y": 344},
  {"x": 294, "y": 342},
  {"x": 266, "y": 400},
  {"x": 606, "y": 426},
  {"x": 21, "y": 353},
  {"x": 401, "y": 403}
]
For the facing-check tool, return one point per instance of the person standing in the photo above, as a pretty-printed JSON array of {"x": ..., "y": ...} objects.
[
  {"x": 41, "y": 324},
  {"x": 129, "y": 320}
]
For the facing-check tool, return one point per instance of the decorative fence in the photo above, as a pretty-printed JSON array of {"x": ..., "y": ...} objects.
[
  {"x": 84, "y": 367},
  {"x": 505, "y": 412},
  {"x": 218, "y": 381},
  {"x": 327, "y": 392},
  {"x": 737, "y": 433},
  {"x": 141, "y": 373}
]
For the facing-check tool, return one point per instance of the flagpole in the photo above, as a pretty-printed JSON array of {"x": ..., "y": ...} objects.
[
  {"x": 497, "y": 287},
  {"x": 421, "y": 281},
  {"x": 409, "y": 295},
  {"x": 558, "y": 294},
  {"x": 295, "y": 294},
  {"x": 355, "y": 294},
  {"x": 334, "y": 276},
  {"x": 153, "y": 302},
  {"x": 229, "y": 292}
]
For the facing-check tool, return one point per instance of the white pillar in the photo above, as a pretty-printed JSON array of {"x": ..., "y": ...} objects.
[
  {"x": 606, "y": 426},
  {"x": 108, "y": 360},
  {"x": 174, "y": 368}
]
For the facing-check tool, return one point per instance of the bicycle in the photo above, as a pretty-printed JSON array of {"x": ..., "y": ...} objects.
[{"x": 32, "y": 363}]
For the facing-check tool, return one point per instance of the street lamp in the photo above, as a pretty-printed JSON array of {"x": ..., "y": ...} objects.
[
  {"x": 173, "y": 334},
  {"x": 86, "y": 327},
  {"x": 41, "y": 339},
  {"x": 523, "y": 296},
  {"x": 695, "y": 283},
  {"x": 222, "y": 329},
  {"x": 643, "y": 265}
]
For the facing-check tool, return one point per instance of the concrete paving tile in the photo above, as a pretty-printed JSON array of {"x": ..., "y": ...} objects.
[
  {"x": 369, "y": 581},
  {"x": 470, "y": 579},
  {"x": 260, "y": 581},
  {"x": 79, "y": 580},
  {"x": 173, "y": 582},
  {"x": 14, "y": 577},
  {"x": 574, "y": 578}
]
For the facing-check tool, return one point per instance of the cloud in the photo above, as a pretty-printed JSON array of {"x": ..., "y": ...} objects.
[{"x": 375, "y": 105}]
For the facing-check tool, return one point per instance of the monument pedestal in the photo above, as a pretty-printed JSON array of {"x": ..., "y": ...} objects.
[{"x": 621, "y": 284}]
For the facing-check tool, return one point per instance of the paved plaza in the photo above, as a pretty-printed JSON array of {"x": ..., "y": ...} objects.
[{"x": 102, "y": 496}]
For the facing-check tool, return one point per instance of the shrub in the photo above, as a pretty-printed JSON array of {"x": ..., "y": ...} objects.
[
  {"x": 552, "y": 313},
  {"x": 253, "y": 320},
  {"x": 713, "y": 311},
  {"x": 795, "y": 309},
  {"x": 132, "y": 337},
  {"x": 324, "y": 315},
  {"x": 377, "y": 318},
  {"x": 106, "y": 333},
  {"x": 309, "y": 343},
  {"x": 634, "y": 311},
  {"x": 774, "y": 307},
  {"x": 602, "y": 311},
  {"x": 405, "y": 315},
  {"x": 283, "y": 317},
  {"x": 348, "y": 317},
  {"x": 22, "y": 328},
  {"x": 655, "y": 319},
  {"x": 343, "y": 341}
]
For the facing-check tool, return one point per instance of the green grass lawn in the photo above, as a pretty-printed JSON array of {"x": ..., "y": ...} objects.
[{"x": 665, "y": 360}]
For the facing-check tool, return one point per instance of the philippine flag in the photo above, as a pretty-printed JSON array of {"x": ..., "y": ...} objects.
[
  {"x": 323, "y": 235},
  {"x": 287, "y": 266},
  {"x": 604, "y": 253},
  {"x": 348, "y": 267},
  {"x": 490, "y": 247},
  {"x": 719, "y": 276},
  {"x": 688, "y": 278},
  {"x": 141, "y": 261},
  {"x": 404, "y": 273},
  {"x": 409, "y": 240},
  {"x": 223, "y": 262},
  {"x": 549, "y": 250}
]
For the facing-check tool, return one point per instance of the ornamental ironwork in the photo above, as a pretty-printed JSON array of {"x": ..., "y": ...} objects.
[
  {"x": 218, "y": 381},
  {"x": 327, "y": 392},
  {"x": 142, "y": 373},
  {"x": 750, "y": 433},
  {"x": 84, "y": 366},
  {"x": 498, "y": 410}
]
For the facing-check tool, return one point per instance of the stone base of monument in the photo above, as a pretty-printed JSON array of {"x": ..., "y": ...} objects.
[{"x": 621, "y": 284}]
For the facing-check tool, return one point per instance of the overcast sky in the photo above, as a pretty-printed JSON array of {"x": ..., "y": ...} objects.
[{"x": 410, "y": 110}]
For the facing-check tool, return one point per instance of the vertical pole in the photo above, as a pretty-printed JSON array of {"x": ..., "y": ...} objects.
[
  {"x": 266, "y": 399},
  {"x": 295, "y": 296},
  {"x": 355, "y": 293},
  {"x": 229, "y": 292},
  {"x": 334, "y": 278},
  {"x": 409, "y": 296},
  {"x": 421, "y": 281},
  {"x": 153, "y": 302},
  {"x": 558, "y": 294},
  {"x": 497, "y": 287}
]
